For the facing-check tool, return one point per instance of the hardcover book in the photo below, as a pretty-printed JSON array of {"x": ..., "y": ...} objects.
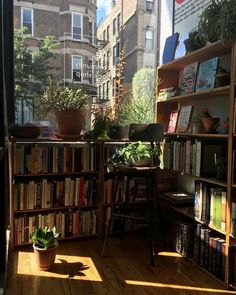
[
  {"x": 169, "y": 49},
  {"x": 173, "y": 121},
  {"x": 189, "y": 78},
  {"x": 206, "y": 74},
  {"x": 184, "y": 119}
]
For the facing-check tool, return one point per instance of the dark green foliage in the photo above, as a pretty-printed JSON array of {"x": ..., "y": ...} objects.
[{"x": 45, "y": 238}]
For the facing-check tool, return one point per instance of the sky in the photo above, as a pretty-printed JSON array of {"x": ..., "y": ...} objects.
[{"x": 103, "y": 9}]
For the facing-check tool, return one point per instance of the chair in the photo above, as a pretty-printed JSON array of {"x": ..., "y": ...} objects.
[{"x": 152, "y": 133}]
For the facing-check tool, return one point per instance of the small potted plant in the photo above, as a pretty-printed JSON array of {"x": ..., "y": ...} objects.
[
  {"x": 193, "y": 42},
  {"x": 45, "y": 245},
  {"x": 135, "y": 154},
  {"x": 101, "y": 122},
  {"x": 69, "y": 104}
]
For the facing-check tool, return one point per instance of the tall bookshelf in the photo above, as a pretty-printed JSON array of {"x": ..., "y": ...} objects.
[
  {"x": 221, "y": 102},
  {"x": 54, "y": 183}
]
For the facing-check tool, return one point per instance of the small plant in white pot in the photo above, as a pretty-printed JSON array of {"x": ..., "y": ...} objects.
[{"x": 45, "y": 244}]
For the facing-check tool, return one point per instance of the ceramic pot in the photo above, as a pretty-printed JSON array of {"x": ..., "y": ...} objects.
[
  {"x": 210, "y": 124},
  {"x": 45, "y": 258},
  {"x": 71, "y": 122},
  {"x": 118, "y": 132},
  {"x": 140, "y": 162}
]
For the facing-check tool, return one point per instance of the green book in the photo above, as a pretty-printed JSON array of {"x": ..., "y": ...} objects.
[{"x": 218, "y": 210}]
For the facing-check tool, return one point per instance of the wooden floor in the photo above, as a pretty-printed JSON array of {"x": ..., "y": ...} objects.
[{"x": 80, "y": 270}]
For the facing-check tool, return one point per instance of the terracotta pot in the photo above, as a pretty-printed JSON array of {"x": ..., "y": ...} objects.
[
  {"x": 45, "y": 257},
  {"x": 71, "y": 122},
  {"x": 210, "y": 124}
]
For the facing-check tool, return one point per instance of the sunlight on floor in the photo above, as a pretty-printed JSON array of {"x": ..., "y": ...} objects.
[
  {"x": 179, "y": 287},
  {"x": 72, "y": 267},
  {"x": 170, "y": 254}
]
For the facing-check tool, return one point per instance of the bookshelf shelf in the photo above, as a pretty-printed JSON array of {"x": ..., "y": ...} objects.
[
  {"x": 202, "y": 135},
  {"x": 197, "y": 154},
  {"x": 199, "y": 95},
  {"x": 215, "y": 49},
  {"x": 55, "y": 175}
]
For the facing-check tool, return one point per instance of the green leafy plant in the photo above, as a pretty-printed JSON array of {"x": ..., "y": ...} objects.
[
  {"x": 218, "y": 21},
  {"x": 45, "y": 237},
  {"x": 57, "y": 98},
  {"x": 194, "y": 42},
  {"x": 101, "y": 121},
  {"x": 133, "y": 153}
]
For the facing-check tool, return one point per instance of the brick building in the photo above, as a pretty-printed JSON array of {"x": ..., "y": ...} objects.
[
  {"x": 133, "y": 23},
  {"x": 73, "y": 23}
]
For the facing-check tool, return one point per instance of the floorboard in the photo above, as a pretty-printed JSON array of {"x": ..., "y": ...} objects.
[{"x": 80, "y": 269}]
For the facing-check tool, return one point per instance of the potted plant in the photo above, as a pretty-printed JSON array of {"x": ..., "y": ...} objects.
[
  {"x": 101, "y": 122},
  {"x": 69, "y": 104},
  {"x": 45, "y": 245},
  {"x": 218, "y": 21},
  {"x": 194, "y": 42},
  {"x": 135, "y": 154}
]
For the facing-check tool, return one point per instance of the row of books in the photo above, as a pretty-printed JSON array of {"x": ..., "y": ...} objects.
[
  {"x": 61, "y": 158},
  {"x": 183, "y": 156},
  {"x": 69, "y": 224},
  {"x": 49, "y": 194},
  {"x": 200, "y": 244},
  {"x": 210, "y": 205},
  {"x": 132, "y": 187}
]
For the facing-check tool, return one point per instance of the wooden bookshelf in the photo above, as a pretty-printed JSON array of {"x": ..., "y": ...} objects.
[
  {"x": 170, "y": 75},
  {"x": 2, "y": 152}
]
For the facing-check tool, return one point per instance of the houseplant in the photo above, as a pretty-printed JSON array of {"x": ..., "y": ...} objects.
[
  {"x": 193, "y": 42},
  {"x": 135, "y": 154},
  {"x": 210, "y": 124},
  {"x": 69, "y": 104},
  {"x": 101, "y": 121},
  {"x": 45, "y": 245},
  {"x": 218, "y": 21}
]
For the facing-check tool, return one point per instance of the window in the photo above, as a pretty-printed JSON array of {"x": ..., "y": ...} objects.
[
  {"x": 108, "y": 36},
  {"x": 107, "y": 90},
  {"x": 149, "y": 39},
  {"x": 113, "y": 86},
  {"x": 99, "y": 92},
  {"x": 104, "y": 91},
  {"x": 77, "y": 26},
  {"x": 114, "y": 55},
  {"x": 91, "y": 31},
  {"x": 104, "y": 61},
  {"x": 114, "y": 26},
  {"x": 149, "y": 5},
  {"x": 118, "y": 49},
  {"x": 104, "y": 35},
  {"x": 90, "y": 71},
  {"x": 77, "y": 68},
  {"x": 108, "y": 59},
  {"x": 118, "y": 22},
  {"x": 27, "y": 20}
]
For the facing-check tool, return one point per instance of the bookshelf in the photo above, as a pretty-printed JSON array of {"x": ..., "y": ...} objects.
[
  {"x": 54, "y": 183},
  {"x": 221, "y": 102}
]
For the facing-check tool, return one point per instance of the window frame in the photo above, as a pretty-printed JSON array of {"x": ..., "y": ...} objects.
[
  {"x": 72, "y": 68},
  {"x": 148, "y": 29},
  {"x": 32, "y": 19},
  {"x": 72, "y": 25}
]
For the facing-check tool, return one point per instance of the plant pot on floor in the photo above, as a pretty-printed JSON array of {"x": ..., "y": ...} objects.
[
  {"x": 71, "y": 122},
  {"x": 45, "y": 258},
  {"x": 118, "y": 132}
]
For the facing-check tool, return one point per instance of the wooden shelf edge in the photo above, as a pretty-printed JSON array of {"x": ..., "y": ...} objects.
[
  {"x": 61, "y": 174},
  {"x": 204, "y": 135},
  {"x": 16, "y": 212},
  {"x": 211, "y": 50},
  {"x": 214, "y": 92}
]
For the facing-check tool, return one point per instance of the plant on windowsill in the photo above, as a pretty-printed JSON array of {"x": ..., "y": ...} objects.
[
  {"x": 69, "y": 104},
  {"x": 135, "y": 154},
  {"x": 45, "y": 245}
]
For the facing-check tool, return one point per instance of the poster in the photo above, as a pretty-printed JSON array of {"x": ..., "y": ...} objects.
[{"x": 186, "y": 14}]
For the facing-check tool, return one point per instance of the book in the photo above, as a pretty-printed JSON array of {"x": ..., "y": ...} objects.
[
  {"x": 180, "y": 48},
  {"x": 179, "y": 198},
  {"x": 173, "y": 121},
  {"x": 169, "y": 48},
  {"x": 206, "y": 74},
  {"x": 184, "y": 119},
  {"x": 189, "y": 78}
]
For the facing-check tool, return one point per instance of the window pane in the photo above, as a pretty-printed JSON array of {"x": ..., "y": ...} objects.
[
  {"x": 77, "y": 33},
  {"x": 149, "y": 34},
  {"x": 27, "y": 16},
  {"x": 76, "y": 20},
  {"x": 149, "y": 5},
  {"x": 77, "y": 69}
]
